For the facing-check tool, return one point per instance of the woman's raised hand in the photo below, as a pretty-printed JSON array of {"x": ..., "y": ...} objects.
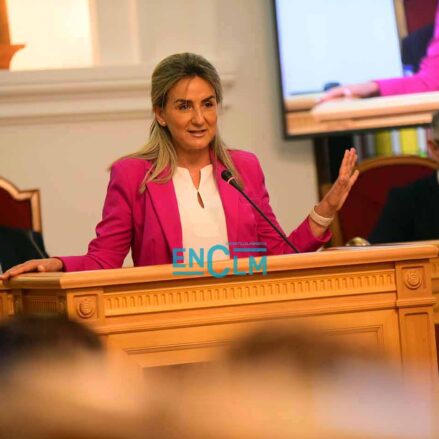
[
  {"x": 41, "y": 265},
  {"x": 336, "y": 196}
]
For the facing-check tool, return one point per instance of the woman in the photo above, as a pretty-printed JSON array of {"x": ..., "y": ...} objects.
[
  {"x": 425, "y": 80},
  {"x": 170, "y": 194}
]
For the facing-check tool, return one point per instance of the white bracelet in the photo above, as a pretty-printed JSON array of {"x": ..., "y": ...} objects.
[{"x": 319, "y": 219}]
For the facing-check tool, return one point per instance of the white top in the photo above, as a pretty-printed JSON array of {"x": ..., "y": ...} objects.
[{"x": 202, "y": 228}]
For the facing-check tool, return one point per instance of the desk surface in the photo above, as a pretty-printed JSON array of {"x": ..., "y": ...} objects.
[
  {"x": 303, "y": 116},
  {"x": 333, "y": 257}
]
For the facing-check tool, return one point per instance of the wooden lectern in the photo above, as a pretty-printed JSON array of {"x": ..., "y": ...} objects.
[{"x": 377, "y": 297}]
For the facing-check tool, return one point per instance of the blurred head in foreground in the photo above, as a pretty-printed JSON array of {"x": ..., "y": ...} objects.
[
  {"x": 280, "y": 383},
  {"x": 57, "y": 382},
  {"x": 24, "y": 338}
]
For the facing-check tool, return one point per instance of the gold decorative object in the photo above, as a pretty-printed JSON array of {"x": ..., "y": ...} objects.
[{"x": 357, "y": 242}]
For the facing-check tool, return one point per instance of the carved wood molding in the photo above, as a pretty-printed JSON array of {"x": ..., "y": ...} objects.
[
  {"x": 219, "y": 343},
  {"x": 413, "y": 279},
  {"x": 86, "y": 307},
  {"x": 40, "y": 304},
  {"x": 407, "y": 302},
  {"x": 260, "y": 314},
  {"x": 177, "y": 347},
  {"x": 223, "y": 294},
  {"x": 435, "y": 268},
  {"x": 4, "y": 304}
]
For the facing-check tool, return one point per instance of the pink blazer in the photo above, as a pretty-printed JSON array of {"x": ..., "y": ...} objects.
[
  {"x": 426, "y": 79},
  {"x": 149, "y": 223}
]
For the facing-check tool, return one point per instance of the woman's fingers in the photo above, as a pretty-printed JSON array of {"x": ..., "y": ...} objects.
[
  {"x": 347, "y": 166},
  {"x": 346, "y": 178},
  {"x": 354, "y": 177},
  {"x": 352, "y": 161},
  {"x": 41, "y": 265},
  {"x": 19, "y": 269},
  {"x": 364, "y": 90},
  {"x": 349, "y": 160},
  {"x": 334, "y": 93},
  {"x": 23, "y": 268}
]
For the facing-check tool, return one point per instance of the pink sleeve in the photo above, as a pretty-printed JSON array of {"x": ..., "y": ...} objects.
[
  {"x": 426, "y": 79},
  {"x": 302, "y": 237},
  {"x": 113, "y": 233}
]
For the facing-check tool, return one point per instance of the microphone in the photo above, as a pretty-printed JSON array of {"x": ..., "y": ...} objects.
[{"x": 229, "y": 178}]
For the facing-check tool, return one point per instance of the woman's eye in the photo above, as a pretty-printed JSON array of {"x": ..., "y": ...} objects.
[
  {"x": 209, "y": 104},
  {"x": 183, "y": 107}
]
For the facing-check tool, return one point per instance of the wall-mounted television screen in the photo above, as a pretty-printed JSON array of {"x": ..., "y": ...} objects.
[{"x": 325, "y": 43}]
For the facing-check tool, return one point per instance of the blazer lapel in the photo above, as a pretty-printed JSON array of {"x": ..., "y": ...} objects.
[
  {"x": 165, "y": 202},
  {"x": 230, "y": 199}
]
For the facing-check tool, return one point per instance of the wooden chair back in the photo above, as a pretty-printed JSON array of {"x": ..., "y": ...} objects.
[
  {"x": 378, "y": 176},
  {"x": 19, "y": 209}
]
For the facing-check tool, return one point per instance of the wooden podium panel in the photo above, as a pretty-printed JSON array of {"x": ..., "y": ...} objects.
[
  {"x": 434, "y": 277},
  {"x": 377, "y": 297}
]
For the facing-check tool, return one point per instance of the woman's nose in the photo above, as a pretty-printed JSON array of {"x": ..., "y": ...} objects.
[{"x": 197, "y": 116}]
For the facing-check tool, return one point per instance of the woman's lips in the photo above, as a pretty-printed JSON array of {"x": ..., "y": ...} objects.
[{"x": 197, "y": 133}]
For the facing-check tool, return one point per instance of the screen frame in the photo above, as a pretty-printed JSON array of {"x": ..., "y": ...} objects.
[{"x": 401, "y": 23}]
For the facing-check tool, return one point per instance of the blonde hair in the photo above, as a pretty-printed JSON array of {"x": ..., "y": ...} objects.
[{"x": 159, "y": 149}]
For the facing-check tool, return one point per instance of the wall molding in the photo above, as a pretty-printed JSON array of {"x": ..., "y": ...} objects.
[{"x": 97, "y": 93}]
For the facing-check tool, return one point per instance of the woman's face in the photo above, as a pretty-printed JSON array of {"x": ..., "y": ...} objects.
[{"x": 190, "y": 114}]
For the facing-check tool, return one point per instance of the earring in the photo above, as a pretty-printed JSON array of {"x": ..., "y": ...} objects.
[{"x": 162, "y": 123}]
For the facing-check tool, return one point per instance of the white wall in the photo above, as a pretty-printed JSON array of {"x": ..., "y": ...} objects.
[
  {"x": 254, "y": 120},
  {"x": 46, "y": 144}
]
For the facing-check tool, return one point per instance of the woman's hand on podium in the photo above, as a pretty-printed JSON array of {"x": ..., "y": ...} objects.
[
  {"x": 40, "y": 265},
  {"x": 365, "y": 90}
]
